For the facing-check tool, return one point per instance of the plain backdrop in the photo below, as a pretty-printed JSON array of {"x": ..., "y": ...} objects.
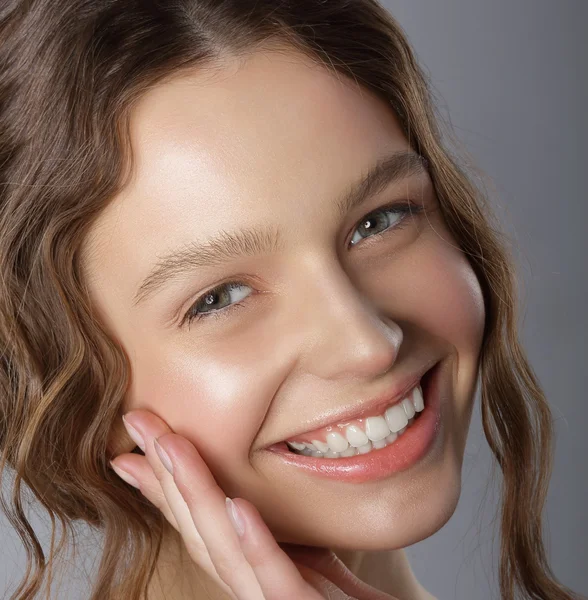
[{"x": 511, "y": 76}]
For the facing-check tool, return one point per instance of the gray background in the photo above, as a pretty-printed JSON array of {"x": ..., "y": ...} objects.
[{"x": 511, "y": 76}]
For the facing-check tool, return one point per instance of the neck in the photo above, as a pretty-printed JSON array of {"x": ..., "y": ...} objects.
[
  {"x": 177, "y": 577},
  {"x": 388, "y": 571}
]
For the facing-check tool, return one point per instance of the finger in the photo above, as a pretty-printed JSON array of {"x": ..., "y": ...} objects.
[
  {"x": 275, "y": 571},
  {"x": 318, "y": 566},
  {"x": 207, "y": 505},
  {"x": 143, "y": 478},
  {"x": 144, "y": 427}
]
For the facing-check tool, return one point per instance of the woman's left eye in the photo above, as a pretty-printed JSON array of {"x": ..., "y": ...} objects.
[
  {"x": 400, "y": 213},
  {"x": 376, "y": 221}
]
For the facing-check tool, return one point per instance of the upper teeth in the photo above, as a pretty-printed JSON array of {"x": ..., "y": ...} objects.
[{"x": 394, "y": 419}]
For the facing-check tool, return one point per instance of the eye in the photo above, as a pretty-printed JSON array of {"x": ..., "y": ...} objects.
[
  {"x": 216, "y": 303},
  {"x": 378, "y": 221},
  {"x": 201, "y": 309}
]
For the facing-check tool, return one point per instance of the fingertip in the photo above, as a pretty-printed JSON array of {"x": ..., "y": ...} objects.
[
  {"x": 235, "y": 516},
  {"x": 125, "y": 476}
]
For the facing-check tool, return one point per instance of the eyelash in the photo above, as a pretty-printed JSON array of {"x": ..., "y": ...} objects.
[{"x": 403, "y": 208}]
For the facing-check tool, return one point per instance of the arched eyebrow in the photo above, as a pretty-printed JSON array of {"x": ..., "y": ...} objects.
[{"x": 228, "y": 246}]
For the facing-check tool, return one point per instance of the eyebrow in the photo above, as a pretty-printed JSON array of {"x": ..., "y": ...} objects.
[{"x": 228, "y": 246}]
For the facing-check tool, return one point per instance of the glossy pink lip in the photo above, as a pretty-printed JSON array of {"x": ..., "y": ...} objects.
[
  {"x": 408, "y": 449},
  {"x": 369, "y": 408}
]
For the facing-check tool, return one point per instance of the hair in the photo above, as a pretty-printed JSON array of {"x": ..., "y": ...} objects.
[{"x": 70, "y": 73}]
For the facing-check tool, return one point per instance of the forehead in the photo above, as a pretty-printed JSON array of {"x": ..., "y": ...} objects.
[
  {"x": 258, "y": 119},
  {"x": 232, "y": 147}
]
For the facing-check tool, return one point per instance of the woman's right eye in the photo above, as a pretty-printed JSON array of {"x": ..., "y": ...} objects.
[{"x": 210, "y": 298}]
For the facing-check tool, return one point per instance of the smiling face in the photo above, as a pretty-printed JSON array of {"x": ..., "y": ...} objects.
[{"x": 335, "y": 311}]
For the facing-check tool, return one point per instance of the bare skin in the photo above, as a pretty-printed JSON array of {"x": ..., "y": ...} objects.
[{"x": 273, "y": 140}]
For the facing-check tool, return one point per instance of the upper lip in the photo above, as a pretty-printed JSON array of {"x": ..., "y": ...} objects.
[{"x": 393, "y": 393}]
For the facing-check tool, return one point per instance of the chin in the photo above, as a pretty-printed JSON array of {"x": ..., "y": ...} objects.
[{"x": 397, "y": 513}]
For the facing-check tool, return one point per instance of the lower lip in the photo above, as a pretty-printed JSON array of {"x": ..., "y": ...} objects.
[{"x": 402, "y": 454}]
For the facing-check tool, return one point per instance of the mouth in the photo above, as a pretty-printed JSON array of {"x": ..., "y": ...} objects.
[
  {"x": 371, "y": 428},
  {"x": 375, "y": 445}
]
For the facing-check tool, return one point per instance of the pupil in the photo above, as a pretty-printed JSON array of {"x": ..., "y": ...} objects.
[{"x": 371, "y": 224}]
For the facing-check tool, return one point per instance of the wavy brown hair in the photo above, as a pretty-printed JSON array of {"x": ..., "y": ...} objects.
[{"x": 70, "y": 73}]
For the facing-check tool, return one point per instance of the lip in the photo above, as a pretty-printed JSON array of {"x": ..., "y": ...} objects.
[
  {"x": 373, "y": 407},
  {"x": 406, "y": 451}
]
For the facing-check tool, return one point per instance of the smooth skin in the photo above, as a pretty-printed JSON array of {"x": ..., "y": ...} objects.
[{"x": 316, "y": 325}]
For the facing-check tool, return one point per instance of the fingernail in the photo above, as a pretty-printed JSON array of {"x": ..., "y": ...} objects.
[
  {"x": 124, "y": 475},
  {"x": 135, "y": 435},
  {"x": 163, "y": 457},
  {"x": 235, "y": 516}
]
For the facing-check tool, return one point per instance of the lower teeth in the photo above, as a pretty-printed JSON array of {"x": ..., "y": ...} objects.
[{"x": 352, "y": 451}]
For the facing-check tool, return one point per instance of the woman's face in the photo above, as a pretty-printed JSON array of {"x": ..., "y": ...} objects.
[{"x": 330, "y": 315}]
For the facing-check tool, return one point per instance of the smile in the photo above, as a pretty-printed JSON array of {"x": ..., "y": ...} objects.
[
  {"x": 362, "y": 436},
  {"x": 374, "y": 447}
]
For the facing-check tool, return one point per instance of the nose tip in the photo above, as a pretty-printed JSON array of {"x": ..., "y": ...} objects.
[
  {"x": 368, "y": 349},
  {"x": 355, "y": 340}
]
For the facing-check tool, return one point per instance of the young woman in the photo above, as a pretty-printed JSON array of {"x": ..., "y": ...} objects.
[{"x": 238, "y": 262}]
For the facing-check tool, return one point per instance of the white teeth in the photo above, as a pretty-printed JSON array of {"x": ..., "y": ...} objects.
[
  {"x": 396, "y": 417},
  {"x": 309, "y": 449},
  {"x": 365, "y": 448},
  {"x": 296, "y": 445},
  {"x": 356, "y": 436},
  {"x": 409, "y": 408},
  {"x": 376, "y": 428},
  {"x": 320, "y": 446},
  {"x": 417, "y": 398},
  {"x": 379, "y": 431},
  {"x": 331, "y": 454},
  {"x": 380, "y": 444},
  {"x": 391, "y": 438},
  {"x": 336, "y": 442},
  {"x": 351, "y": 451}
]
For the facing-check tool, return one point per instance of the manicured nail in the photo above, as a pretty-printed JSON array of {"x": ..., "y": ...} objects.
[
  {"x": 163, "y": 457},
  {"x": 235, "y": 516},
  {"x": 135, "y": 435},
  {"x": 124, "y": 475}
]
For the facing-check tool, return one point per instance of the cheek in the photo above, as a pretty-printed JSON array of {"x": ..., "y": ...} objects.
[
  {"x": 450, "y": 299},
  {"x": 460, "y": 319},
  {"x": 430, "y": 285},
  {"x": 447, "y": 302},
  {"x": 216, "y": 398}
]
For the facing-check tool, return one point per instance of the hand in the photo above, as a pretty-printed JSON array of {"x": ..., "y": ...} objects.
[{"x": 251, "y": 566}]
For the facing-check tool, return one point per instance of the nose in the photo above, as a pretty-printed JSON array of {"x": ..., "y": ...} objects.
[{"x": 344, "y": 335}]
